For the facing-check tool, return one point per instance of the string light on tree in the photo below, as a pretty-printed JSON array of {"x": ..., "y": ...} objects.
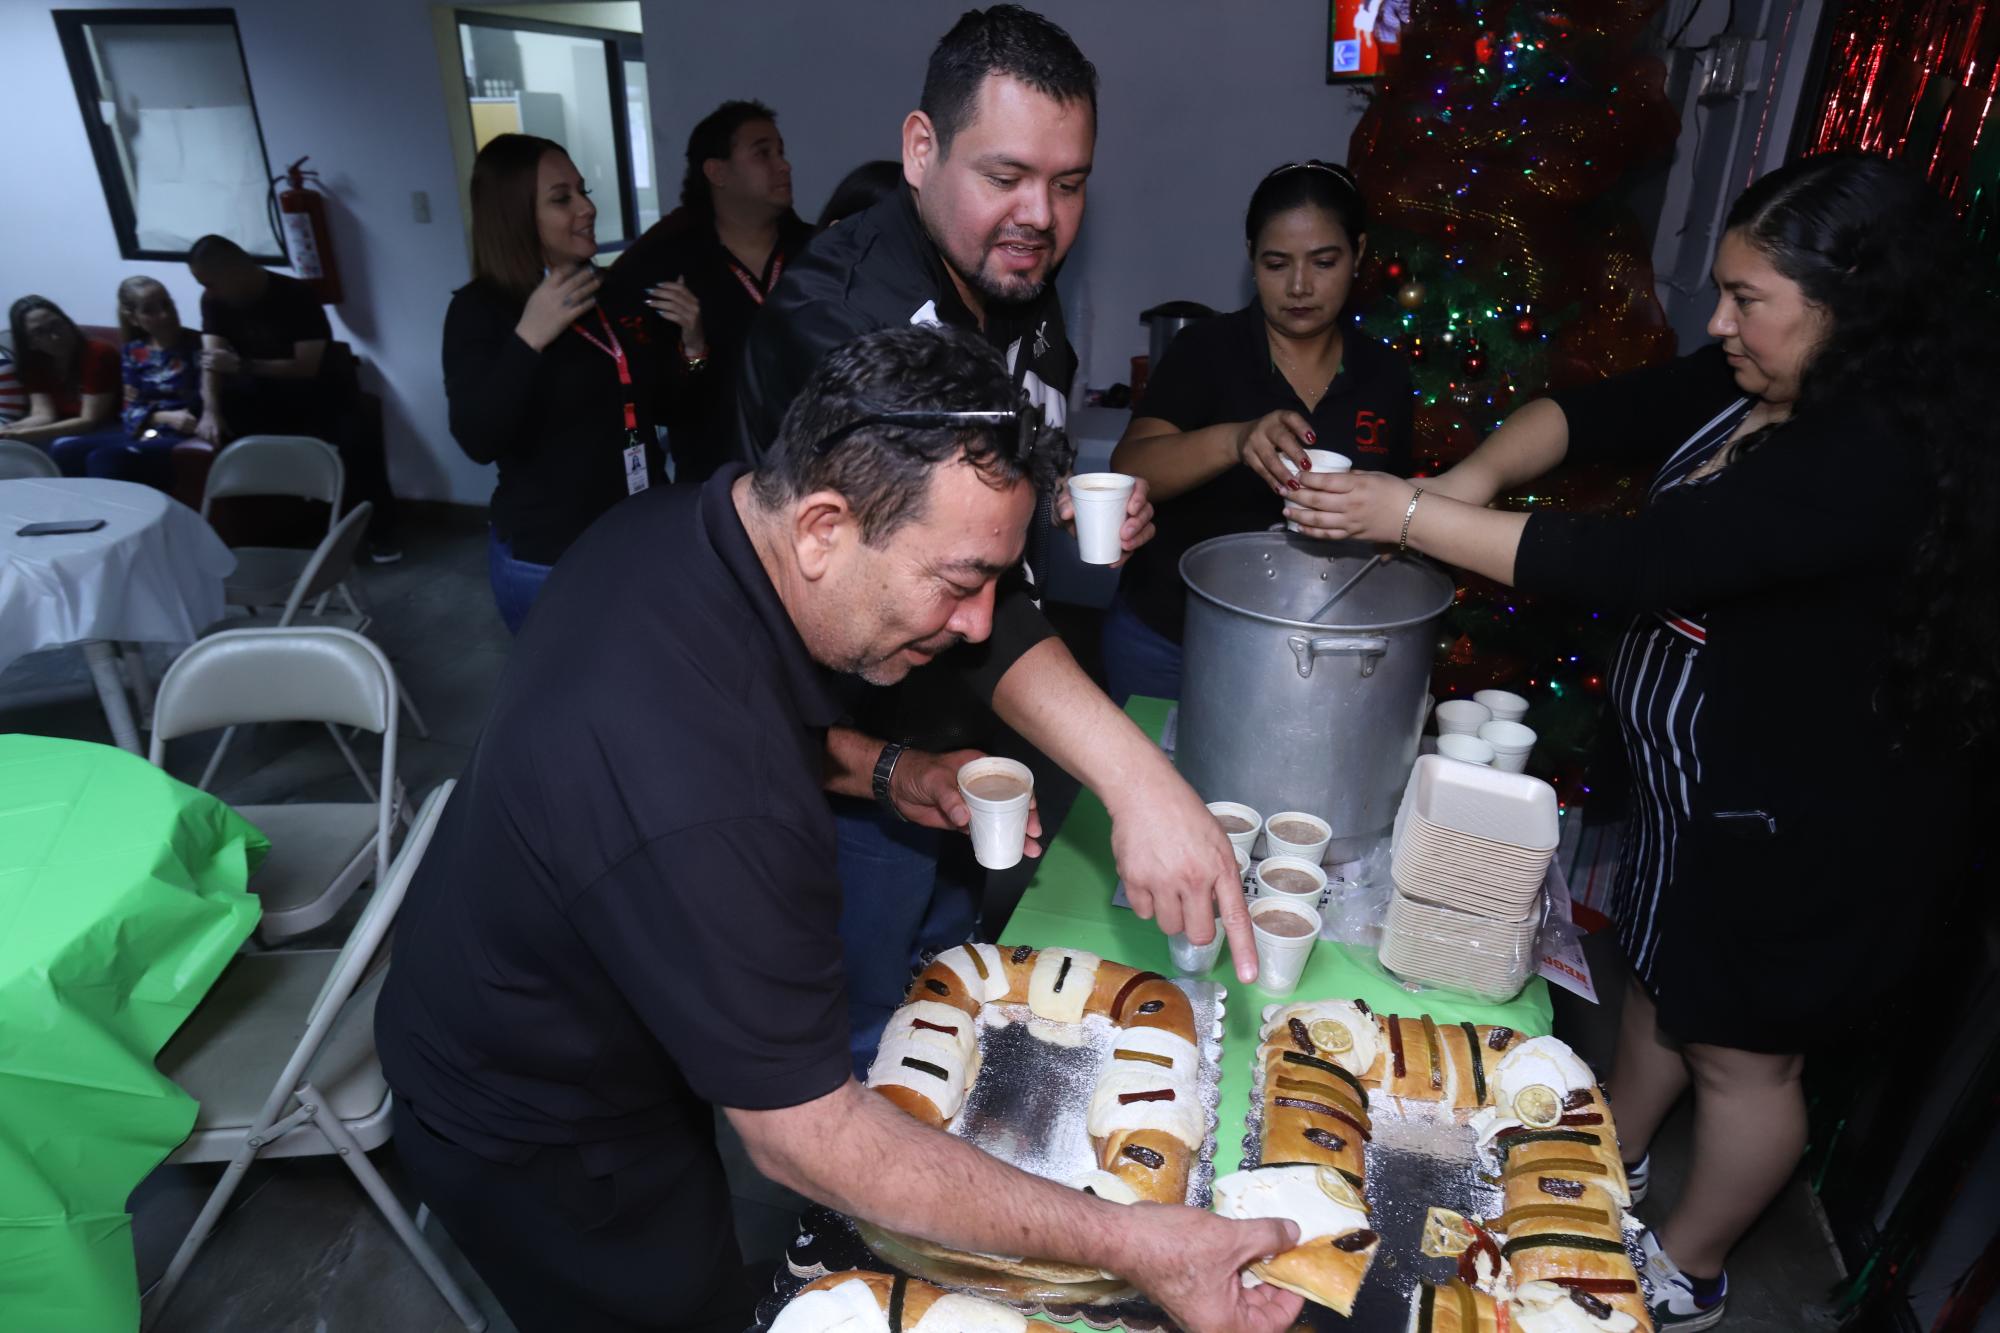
[{"x": 1491, "y": 154}]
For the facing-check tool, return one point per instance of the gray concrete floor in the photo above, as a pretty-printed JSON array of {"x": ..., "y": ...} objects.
[{"x": 303, "y": 1250}]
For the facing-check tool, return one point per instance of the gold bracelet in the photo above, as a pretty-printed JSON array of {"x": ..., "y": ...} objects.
[{"x": 1403, "y": 542}]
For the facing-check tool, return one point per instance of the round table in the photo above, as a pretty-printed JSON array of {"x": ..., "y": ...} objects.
[{"x": 152, "y": 573}]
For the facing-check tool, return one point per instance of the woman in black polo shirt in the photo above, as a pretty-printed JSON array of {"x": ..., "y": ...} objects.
[{"x": 1237, "y": 392}]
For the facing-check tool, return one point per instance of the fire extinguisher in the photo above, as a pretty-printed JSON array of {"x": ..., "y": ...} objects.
[{"x": 302, "y": 215}]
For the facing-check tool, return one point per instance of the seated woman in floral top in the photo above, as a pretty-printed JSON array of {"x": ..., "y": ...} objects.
[{"x": 162, "y": 374}]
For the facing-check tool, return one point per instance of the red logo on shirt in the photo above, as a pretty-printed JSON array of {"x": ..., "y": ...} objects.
[{"x": 1368, "y": 433}]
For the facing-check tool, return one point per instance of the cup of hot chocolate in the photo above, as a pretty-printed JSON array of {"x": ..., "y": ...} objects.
[
  {"x": 1100, "y": 499},
  {"x": 997, "y": 791},
  {"x": 1286, "y": 932},
  {"x": 1296, "y": 833},
  {"x": 1291, "y": 877},
  {"x": 1239, "y": 822}
]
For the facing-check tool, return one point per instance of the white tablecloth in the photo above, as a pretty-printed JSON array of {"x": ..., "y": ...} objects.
[{"x": 153, "y": 572}]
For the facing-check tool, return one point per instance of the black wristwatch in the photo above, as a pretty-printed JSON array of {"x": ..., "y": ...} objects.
[{"x": 884, "y": 766}]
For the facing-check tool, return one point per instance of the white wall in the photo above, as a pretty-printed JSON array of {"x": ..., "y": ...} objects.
[
  {"x": 355, "y": 84},
  {"x": 1198, "y": 99}
]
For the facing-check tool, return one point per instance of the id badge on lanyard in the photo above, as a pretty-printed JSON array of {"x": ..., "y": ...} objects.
[{"x": 637, "y": 477}]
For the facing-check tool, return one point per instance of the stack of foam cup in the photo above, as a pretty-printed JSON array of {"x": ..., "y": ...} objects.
[
  {"x": 1100, "y": 499},
  {"x": 998, "y": 793}
]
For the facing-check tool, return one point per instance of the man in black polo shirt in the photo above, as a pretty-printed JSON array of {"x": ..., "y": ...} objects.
[
  {"x": 627, "y": 914},
  {"x": 996, "y": 158},
  {"x": 722, "y": 250},
  {"x": 272, "y": 368}
]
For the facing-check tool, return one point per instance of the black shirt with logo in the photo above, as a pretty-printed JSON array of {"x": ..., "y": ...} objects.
[
  {"x": 879, "y": 269},
  {"x": 1220, "y": 370},
  {"x": 628, "y": 914}
]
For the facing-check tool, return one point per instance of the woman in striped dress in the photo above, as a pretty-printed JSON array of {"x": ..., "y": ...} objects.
[{"x": 1811, "y": 670}]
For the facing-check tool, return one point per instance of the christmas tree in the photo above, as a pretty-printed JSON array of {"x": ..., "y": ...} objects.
[{"x": 1502, "y": 263}]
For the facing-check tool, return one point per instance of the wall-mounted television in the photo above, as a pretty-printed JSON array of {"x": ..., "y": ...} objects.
[{"x": 1363, "y": 36}]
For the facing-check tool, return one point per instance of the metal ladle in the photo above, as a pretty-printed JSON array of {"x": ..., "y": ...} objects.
[{"x": 1342, "y": 590}]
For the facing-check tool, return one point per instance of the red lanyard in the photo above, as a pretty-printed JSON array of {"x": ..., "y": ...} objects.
[
  {"x": 749, "y": 279},
  {"x": 614, "y": 349}
]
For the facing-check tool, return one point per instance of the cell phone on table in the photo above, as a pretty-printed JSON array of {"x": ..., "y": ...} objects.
[{"x": 60, "y": 527}]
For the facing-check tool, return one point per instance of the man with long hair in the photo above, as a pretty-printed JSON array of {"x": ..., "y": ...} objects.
[{"x": 716, "y": 258}]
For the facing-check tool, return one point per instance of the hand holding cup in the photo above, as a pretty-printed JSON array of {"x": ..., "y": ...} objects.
[{"x": 1113, "y": 533}]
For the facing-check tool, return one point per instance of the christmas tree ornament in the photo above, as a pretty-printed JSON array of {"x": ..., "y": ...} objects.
[{"x": 1410, "y": 295}]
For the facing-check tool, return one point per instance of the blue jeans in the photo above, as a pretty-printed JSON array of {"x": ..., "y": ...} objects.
[
  {"x": 117, "y": 456},
  {"x": 1138, "y": 659},
  {"x": 516, "y": 583},
  {"x": 893, "y": 907}
]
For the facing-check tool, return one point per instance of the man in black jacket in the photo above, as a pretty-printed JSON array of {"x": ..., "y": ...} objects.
[
  {"x": 715, "y": 259},
  {"x": 995, "y": 158}
]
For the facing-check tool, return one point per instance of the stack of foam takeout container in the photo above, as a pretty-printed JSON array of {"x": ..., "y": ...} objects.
[{"x": 1472, "y": 847}]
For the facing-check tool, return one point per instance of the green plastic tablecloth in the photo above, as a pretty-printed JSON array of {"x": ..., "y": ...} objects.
[
  {"x": 1068, "y": 904},
  {"x": 122, "y": 897}
]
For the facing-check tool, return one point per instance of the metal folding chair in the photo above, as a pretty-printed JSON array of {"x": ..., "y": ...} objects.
[
  {"x": 320, "y": 852},
  {"x": 268, "y": 1091},
  {"x": 20, "y": 460}
]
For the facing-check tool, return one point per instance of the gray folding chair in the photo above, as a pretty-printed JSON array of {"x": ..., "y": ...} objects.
[
  {"x": 329, "y": 565},
  {"x": 296, "y": 465},
  {"x": 320, "y": 852},
  {"x": 20, "y": 460},
  {"x": 281, "y": 1056}
]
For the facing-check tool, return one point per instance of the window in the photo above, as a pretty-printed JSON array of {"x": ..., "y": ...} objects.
[
  {"x": 165, "y": 97},
  {"x": 582, "y": 87}
]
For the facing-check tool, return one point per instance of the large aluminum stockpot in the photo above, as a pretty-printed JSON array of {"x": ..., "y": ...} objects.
[{"x": 1282, "y": 713}]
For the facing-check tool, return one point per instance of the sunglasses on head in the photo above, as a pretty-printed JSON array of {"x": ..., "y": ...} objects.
[{"x": 1026, "y": 420}]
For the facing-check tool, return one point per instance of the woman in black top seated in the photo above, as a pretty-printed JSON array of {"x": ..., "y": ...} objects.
[
  {"x": 1237, "y": 392},
  {"x": 1811, "y": 671},
  {"x": 555, "y": 378}
]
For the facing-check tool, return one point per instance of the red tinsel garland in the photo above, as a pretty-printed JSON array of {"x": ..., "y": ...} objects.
[{"x": 1915, "y": 78}]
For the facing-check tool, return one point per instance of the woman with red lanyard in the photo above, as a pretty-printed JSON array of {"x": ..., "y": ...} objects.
[{"x": 555, "y": 377}]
